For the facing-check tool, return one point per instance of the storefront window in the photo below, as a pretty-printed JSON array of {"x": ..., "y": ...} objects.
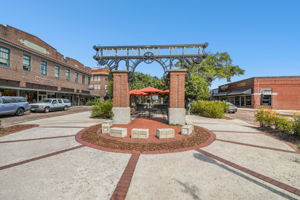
[
  {"x": 266, "y": 100},
  {"x": 248, "y": 101},
  {"x": 266, "y": 96},
  {"x": 242, "y": 101},
  {"x": 237, "y": 101}
]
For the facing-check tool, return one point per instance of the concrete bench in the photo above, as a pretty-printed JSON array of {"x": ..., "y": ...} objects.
[
  {"x": 140, "y": 133},
  {"x": 118, "y": 132},
  {"x": 187, "y": 129},
  {"x": 165, "y": 133}
]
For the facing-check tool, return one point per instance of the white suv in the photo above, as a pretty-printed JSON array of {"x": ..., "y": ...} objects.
[
  {"x": 48, "y": 105},
  {"x": 67, "y": 103}
]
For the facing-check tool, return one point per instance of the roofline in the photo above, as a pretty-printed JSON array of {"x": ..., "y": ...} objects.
[
  {"x": 29, "y": 35},
  {"x": 276, "y": 76},
  {"x": 39, "y": 54},
  {"x": 260, "y": 77}
]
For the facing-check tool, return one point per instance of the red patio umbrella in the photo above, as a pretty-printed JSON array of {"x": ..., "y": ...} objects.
[
  {"x": 165, "y": 92},
  {"x": 150, "y": 90},
  {"x": 137, "y": 92}
]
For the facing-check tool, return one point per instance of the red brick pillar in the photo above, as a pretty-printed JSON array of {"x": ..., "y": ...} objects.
[
  {"x": 121, "y": 107},
  {"x": 256, "y": 95},
  {"x": 177, "y": 97}
]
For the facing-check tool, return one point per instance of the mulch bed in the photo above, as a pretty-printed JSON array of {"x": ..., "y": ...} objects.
[
  {"x": 150, "y": 124},
  {"x": 200, "y": 137},
  {"x": 16, "y": 128}
]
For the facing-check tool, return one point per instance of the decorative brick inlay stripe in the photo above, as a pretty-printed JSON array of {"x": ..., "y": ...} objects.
[
  {"x": 43, "y": 138},
  {"x": 253, "y": 173},
  {"x": 257, "y": 146},
  {"x": 124, "y": 183},
  {"x": 39, "y": 157},
  {"x": 252, "y": 132}
]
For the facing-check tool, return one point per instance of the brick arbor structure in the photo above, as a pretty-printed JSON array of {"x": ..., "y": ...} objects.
[
  {"x": 166, "y": 56},
  {"x": 121, "y": 97},
  {"x": 121, "y": 107},
  {"x": 177, "y": 97}
]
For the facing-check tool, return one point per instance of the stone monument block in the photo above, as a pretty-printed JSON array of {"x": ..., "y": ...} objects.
[
  {"x": 118, "y": 132},
  {"x": 140, "y": 133},
  {"x": 165, "y": 133},
  {"x": 187, "y": 129}
]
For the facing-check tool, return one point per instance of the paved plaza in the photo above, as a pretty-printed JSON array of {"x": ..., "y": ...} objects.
[{"x": 242, "y": 163}]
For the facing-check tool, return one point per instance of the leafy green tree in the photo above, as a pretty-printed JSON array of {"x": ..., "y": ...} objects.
[
  {"x": 218, "y": 65},
  {"x": 196, "y": 88},
  {"x": 110, "y": 89},
  {"x": 141, "y": 80}
]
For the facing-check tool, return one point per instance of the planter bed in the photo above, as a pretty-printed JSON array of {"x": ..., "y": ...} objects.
[{"x": 16, "y": 128}]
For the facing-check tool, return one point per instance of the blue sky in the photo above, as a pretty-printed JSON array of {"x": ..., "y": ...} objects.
[{"x": 262, "y": 37}]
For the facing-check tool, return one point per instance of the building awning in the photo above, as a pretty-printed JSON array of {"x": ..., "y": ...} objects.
[
  {"x": 234, "y": 92},
  {"x": 221, "y": 94},
  {"x": 40, "y": 90},
  {"x": 240, "y": 92}
]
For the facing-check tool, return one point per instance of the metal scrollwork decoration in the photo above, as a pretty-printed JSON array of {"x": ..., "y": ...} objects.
[
  {"x": 148, "y": 57},
  {"x": 165, "y": 55}
]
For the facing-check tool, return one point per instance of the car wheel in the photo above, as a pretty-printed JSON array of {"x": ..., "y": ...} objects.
[
  {"x": 65, "y": 108},
  {"x": 20, "y": 112},
  {"x": 46, "y": 110}
]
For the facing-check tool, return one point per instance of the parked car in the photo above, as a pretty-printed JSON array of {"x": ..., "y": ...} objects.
[
  {"x": 13, "y": 105},
  {"x": 231, "y": 108},
  {"x": 67, "y": 102},
  {"x": 48, "y": 105}
]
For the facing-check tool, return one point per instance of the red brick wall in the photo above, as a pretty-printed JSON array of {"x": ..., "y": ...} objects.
[
  {"x": 244, "y": 84},
  {"x": 177, "y": 89},
  {"x": 15, "y": 70},
  {"x": 121, "y": 89},
  {"x": 287, "y": 89}
]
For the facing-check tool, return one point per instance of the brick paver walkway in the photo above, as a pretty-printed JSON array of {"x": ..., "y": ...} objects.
[{"x": 47, "y": 163}]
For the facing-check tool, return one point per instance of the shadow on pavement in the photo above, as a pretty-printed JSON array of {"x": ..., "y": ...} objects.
[
  {"x": 190, "y": 189},
  {"x": 204, "y": 158}
]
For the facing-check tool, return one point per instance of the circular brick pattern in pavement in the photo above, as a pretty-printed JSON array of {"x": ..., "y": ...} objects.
[{"x": 199, "y": 138}]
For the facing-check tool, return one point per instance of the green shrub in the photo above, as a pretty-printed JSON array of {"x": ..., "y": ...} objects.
[
  {"x": 269, "y": 118},
  {"x": 297, "y": 127},
  {"x": 297, "y": 123},
  {"x": 285, "y": 125},
  {"x": 212, "y": 109},
  {"x": 102, "y": 109},
  {"x": 266, "y": 117},
  {"x": 92, "y": 102}
]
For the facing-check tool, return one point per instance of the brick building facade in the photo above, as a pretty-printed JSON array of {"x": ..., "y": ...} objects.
[
  {"x": 99, "y": 82},
  {"x": 32, "y": 68},
  {"x": 282, "y": 93}
]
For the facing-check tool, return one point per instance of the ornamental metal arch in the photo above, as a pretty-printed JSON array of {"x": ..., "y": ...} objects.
[{"x": 165, "y": 55}]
